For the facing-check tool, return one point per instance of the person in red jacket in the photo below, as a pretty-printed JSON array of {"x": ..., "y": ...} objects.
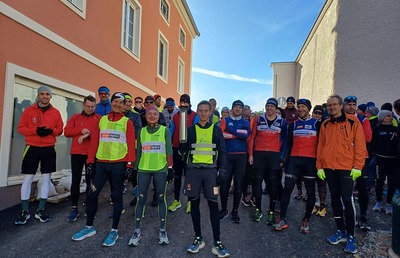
[
  {"x": 40, "y": 123},
  {"x": 112, "y": 144},
  {"x": 79, "y": 129}
]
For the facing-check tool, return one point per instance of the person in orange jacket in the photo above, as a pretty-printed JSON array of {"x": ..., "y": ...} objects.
[
  {"x": 40, "y": 123},
  {"x": 340, "y": 158},
  {"x": 79, "y": 128}
]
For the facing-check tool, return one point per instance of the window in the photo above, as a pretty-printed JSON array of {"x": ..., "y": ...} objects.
[
  {"x": 131, "y": 27},
  {"x": 182, "y": 37},
  {"x": 181, "y": 76},
  {"x": 162, "y": 57},
  {"x": 164, "y": 10},
  {"x": 78, "y": 6}
]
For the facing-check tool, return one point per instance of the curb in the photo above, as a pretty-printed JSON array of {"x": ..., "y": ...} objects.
[{"x": 392, "y": 254}]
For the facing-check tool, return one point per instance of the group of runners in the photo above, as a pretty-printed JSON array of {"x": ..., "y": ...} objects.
[{"x": 122, "y": 139}]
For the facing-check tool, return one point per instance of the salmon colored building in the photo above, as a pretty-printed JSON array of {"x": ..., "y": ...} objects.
[{"x": 74, "y": 46}]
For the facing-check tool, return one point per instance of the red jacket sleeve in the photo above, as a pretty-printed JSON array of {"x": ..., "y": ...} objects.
[
  {"x": 94, "y": 143},
  {"x": 130, "y": 130},
  {"x": 367, "y": 130},
  {"x": 70, "y": 130},
  {"x": 252, "y": 136}
]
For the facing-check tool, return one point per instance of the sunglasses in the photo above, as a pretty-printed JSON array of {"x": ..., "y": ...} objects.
[
  {"x": 318, "y": 113},
  {"x": 149, "y": 102},
  {"x": 138, "y": 101},
  {"x": 350, "y": 99}
]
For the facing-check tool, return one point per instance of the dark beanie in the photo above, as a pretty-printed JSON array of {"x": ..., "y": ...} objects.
[
  {"x": 272, "y": 101},
  {"x": 237, "y": 103},
  {"x": 118, "y": 95},
  {"x": 290, "y": 99},
  {"x": 318, "y": 108},
  {"x": 372, "y": 110},
  {"x": 185, "y": 99},
  {"x": 387, "y": 106},
  {"x": 305, "y": 102},
  {"x": 362, "y": 107}
]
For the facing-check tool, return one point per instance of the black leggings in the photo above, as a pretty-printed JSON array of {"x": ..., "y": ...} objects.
[
  {"x": 77, "y": 163},
  {"x": 248, "y": 177},
  {"x": 387, "y": 167},
  {"x": 267, "y": 164},
  {"x": 299, "y": 167},
  {"x": 214, "y": 217},
  {"x": 341, "y": 187},
  {"x": 362, "y": 187},
  {"x": 160, "y": 182},
  {"x": 179, "y": 170},
  {"x": 235, "y": 166},
  {"x": 114, "y": 173}
]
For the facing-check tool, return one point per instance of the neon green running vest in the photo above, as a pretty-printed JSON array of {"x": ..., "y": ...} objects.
[
  {"x": 112, "y": 144},
  {"x": 203, "y": 150},
  {"x": 154, "y": 154}
]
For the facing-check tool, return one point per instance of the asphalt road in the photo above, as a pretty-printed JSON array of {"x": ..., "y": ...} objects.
[{"x": 247, "y": 239}]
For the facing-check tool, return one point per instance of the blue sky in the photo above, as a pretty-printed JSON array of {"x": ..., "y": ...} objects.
[{"x": 239, "y": 40}]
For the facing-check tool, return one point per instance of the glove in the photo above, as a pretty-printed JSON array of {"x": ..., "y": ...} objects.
[
  {"x": 128, "y": 173},
  {"x": 39, "y": 130},
  {"x": 42, "y": 131},
  {"x": 321, "y": 174},
  {"x": 222, "y": 177},
  {"x": 170, "y": 175},
  {"x": 355, "y": 173},
  {"x": 90, "y": 171}
]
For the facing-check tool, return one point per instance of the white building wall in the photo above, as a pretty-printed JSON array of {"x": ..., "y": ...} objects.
[
  {"x": 368, "y": 52},
  {"x": 284, "y": 81}
]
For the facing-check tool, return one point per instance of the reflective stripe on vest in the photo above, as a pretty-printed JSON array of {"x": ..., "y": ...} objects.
[
  {"x": 154, "y": 155},
  {"x": 112, "y": 143},
  {"x": 203, "y": 150}
]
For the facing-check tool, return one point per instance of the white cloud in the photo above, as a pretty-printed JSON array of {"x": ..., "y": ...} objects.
[{"x": 230, "y": 76}]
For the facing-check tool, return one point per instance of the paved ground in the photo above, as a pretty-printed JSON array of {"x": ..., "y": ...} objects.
[{"x": 247, "y": 239}]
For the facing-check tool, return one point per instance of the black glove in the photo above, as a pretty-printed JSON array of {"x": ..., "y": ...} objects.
[
  {"x": 90, "y": 170},
  {"x": 170, "y": 175},
  {"x": 222, "y": 177},
  {"x": 128, "y": 173},
  {"x": 42, "y": 131}
]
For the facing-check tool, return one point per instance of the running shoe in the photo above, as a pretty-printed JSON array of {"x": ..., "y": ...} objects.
[
  {"x": 337, "y": 238},
  {"x": 219, "y": 250},
  {"x": 377, "y": 207},
  {"x": 363, "y": 224},
  {"x": 188, "y": 207},
  {"x": 163, "y": 238},
  {"x": 42, "y": 216},
  {"x": 223, "y": 215},
  {"x": 112, "y": 238},
  {"x": 270, "y": 219},
  {"x": 351, "y": 245},
  {"x": 257, "y": 215},
  {"x": 134, "y": 241},
  {"x": 321, "y": 212},
  {"x": 246, "y": 202},
  {"x": 235, "y": 217},
  {"x": 174, "y": 205},
  {"x": 281, "y": 224},
  {"x": 84, "y": 233},
  {"x": 73, "y": 215},
  {"x": 304, "y": 228},
  {"x": 388, "y": 209},
  {"x": 23, "y": 218},
  {"x": 197, "y": 244}
]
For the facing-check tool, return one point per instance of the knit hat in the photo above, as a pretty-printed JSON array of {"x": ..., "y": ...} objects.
[
  {"x": 44, "y": 88},
  {"x": 290, "y": 99},
  {"x": 305, "y": 102},
  {"x": 149, "y": 98},
  {"x": 185, "y": 99},
  {"x": 372, "y": 110},
  {"x": 152, "y": 107},
  {"x": 156, "y": 96},
  {"x": 362, "y": 107},
  {"x": 104, "y": 89},
  {"x": 382, "y": 114},
  {"x": 127, "y": 95},
  {"x": 237, "y": 103},
  {"x": 118, "y": 95},
  {"x": 225, "y": 109},
  {"x": 318, "y": 108},
  {"x": 387, "y": 106},
  {"x": 370, "y": 104},
  {"x": 272, "y": 101}
]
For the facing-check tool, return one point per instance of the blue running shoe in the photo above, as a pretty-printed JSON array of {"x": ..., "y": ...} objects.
[
  {"x": 337, "y": 238},
  {"x": 219, "y": 250},
  {"x": 84, "y": 233},
  {"x": 197, "y": 244},
  {"x": 73, "y": 215},
  {"x": 351, "y": 245},
  {"x": 134, "y": 241},
  {"x": 111, "y": 238}
]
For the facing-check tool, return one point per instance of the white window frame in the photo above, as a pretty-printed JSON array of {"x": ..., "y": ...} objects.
[
  {"x": 74, "y": 6},
  {"x": 135, "y": 51},
  {"x": 183, "y": 44},
  {"x": 162, "y": 40},
  {"x": 181, "y": 76},
  {"x": 166, "y": 19}
]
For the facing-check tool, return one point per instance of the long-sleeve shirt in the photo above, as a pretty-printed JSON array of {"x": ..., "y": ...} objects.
[
  {"x": 74, "y": 128},
  {"x": 235, "y": 132},
  {"x": 385, "y": 141},
  {"x": 34, "y": 117}
]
